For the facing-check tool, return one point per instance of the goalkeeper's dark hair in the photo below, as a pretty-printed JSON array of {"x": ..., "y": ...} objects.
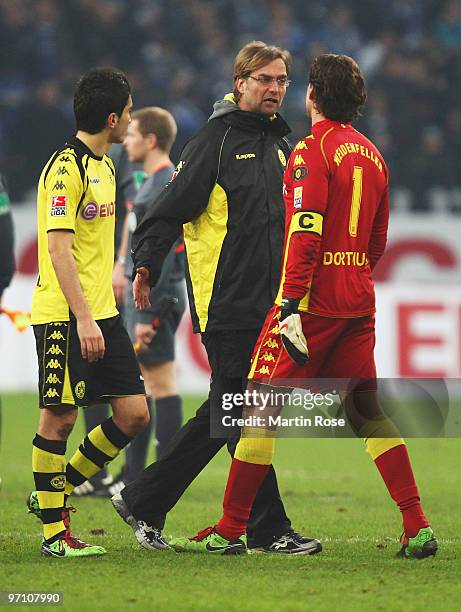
[
  {"x": 339, "y": 87},
  {"x": 100, "y": 92}
]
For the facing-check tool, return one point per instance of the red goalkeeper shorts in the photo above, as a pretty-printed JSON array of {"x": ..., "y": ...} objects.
[{"x": 338, "y": 349}]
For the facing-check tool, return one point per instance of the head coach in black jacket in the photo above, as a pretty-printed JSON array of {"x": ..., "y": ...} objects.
[{"x": 226, "y": 195}]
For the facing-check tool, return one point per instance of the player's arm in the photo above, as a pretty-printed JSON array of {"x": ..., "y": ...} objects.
[
  {"x": 305, "y": 232},
  {"x": 378, "y": 237},
  {"x": 64, "y": 188},
  {"x": 307, "y": 175},
  {"x": 119, "y": 279},
  {"x": 181, "y": 201},
  {"x": 60, "y": 250}
]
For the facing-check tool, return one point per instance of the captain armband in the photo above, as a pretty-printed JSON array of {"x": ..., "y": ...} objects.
[{"x": 307, "y": 221}]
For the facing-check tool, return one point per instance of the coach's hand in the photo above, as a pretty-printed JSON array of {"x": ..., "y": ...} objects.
[
  {"x": 91, "y": 340},
  {"x": 291, "y": 331},
  {"x": 141, "y": 288}
]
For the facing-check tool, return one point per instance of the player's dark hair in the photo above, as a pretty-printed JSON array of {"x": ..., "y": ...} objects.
[
  {"x": 100, "y": 92},
  {"x": 339, "y": 87}
]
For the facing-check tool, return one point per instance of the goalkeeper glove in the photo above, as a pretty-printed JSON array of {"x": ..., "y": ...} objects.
[{"x": 291, "y": 331}]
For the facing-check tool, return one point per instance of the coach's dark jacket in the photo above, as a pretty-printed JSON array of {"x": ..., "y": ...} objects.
[{"x": 227, "y": 192}]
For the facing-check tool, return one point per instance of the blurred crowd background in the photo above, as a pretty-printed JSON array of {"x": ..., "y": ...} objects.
[{"x": 179, "y": 55}]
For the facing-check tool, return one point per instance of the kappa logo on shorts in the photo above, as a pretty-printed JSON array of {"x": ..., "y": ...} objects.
[
  {"x": 56, "y": 335},
  {"x": 51, "y": 393},
  {"x": 80, "y": 388},
  {"x": 264, "y": 370},
  {"x": 54, "y": 350},
  {"x": 54, "y": 364},
  {"x": 58, "y": 482},
  {"x": 53, "y": 379}
]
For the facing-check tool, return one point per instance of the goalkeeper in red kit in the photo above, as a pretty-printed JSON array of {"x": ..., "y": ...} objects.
[{"x": 322, "y": 323}]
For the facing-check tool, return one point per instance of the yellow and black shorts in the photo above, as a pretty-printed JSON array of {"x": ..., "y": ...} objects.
[{"x": 64, "y": 377}]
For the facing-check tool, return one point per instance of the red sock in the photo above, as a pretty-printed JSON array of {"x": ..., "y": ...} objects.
[
  {"x": 395, "y": 468},
  {"x": 242, "y": 487}
]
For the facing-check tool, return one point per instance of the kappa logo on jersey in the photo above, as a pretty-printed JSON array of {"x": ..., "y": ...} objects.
[
  {"x": 58, "y": 206},
  {"x": 61, "y": 171},
  {"x": 299, "y": 173},
  {"x": 299, "y": 160},
  {"x": 58, "y": 186},
  {"x": 64, "y": 158},
  {"x": 298, "y": 197},
  {"x": 301, "y": 145},
  {"x": 245, "y": 156}
]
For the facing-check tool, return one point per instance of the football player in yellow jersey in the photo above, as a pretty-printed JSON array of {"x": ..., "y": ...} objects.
[{"x": 84, "y": 352}]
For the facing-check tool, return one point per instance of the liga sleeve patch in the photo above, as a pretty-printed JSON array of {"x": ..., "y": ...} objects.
[
  {"x": 58, "y": 206},
  {"x": 307, "y": 221}
]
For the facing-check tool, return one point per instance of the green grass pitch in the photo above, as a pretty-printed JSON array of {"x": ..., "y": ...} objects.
[{"x": 331, "y": 490}]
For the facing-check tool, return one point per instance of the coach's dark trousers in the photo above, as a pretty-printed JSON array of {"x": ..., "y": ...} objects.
[{"x": 160, "y": 485}]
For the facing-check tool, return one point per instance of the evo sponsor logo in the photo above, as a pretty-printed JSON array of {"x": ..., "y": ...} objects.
[
  {"x": 91, "y": 210},
  {"x": 58, "y": 206}
]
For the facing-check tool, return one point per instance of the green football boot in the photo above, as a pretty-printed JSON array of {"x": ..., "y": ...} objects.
[
  {"x": 422, "y": 545},
  {"x": 69, "y": 546},
  {"x": 208, "y": 541},
  {"x": 33, "y": 505}
]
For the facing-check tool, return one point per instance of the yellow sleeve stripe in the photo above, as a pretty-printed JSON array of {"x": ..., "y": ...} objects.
[{"x": 307, "y": 221}]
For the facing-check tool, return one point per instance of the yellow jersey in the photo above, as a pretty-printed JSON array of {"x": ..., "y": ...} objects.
[{"x": 76, "y": 192}]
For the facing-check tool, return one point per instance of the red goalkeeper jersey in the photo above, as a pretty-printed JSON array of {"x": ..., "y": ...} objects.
[{"x": 337, "y": 211}]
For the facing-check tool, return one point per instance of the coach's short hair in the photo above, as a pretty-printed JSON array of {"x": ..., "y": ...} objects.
[
  {"x": 339, "y": 87},
  {"x": 158, "y": 121},
  {"x": 100, "y": 92},
  {"x": 253, "y": 56}
]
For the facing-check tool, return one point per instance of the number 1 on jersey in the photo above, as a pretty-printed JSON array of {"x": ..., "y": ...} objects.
[{"x": 356, "y": 200}]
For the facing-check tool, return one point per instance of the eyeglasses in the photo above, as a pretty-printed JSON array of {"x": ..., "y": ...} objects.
[{"x": 265, "y": 80}]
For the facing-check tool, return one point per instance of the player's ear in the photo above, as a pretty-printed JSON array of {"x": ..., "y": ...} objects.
[{"x": 112, "y": 120}]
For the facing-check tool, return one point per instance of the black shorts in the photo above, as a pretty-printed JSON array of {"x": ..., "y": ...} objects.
[{"x": 64, "y": 377}]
